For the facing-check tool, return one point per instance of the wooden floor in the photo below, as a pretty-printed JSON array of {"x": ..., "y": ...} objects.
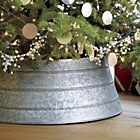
[{"x": 123, "y": 127}]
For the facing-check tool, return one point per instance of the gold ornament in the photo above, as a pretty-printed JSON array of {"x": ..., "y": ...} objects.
[
  {"x": 29, "y": 30},
  {"x": 112, "y": 59},
  {"x": 65, "y": 39},
  {"x": 25, "y": 2}
]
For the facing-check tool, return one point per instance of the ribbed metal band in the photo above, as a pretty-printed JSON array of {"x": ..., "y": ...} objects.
[{"x": 64, "y": 91}]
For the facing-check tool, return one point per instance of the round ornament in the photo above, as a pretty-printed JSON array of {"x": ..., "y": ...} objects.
[
  {"x": 65, "y": 39},
  {"x": 86, "y": 9},
  {"x": 68, "y": 1},
  {"x": 112, "y": 59},
  {"x": 25, "y": 2},
  {"x": 107, "y": 17},
  {"x": 29, "y": 30}
]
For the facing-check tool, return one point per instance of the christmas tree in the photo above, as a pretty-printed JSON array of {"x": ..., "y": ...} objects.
[
  {"x": 32, "y": 30},
  {"x": 132, "y": 61}
]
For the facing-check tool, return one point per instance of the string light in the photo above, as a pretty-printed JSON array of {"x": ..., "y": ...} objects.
[
  {"x": 5, "y": 10},
  {"x": 122, "y": 59},
  {"x": 12, "y": 60},
  {"x": 2, "y": 15},
  {"x": 13, "y": 7},
  {"x": 32, "y": 2},
  {"x": 122, "y": 44},
  {"x": 6, "y": 33}
]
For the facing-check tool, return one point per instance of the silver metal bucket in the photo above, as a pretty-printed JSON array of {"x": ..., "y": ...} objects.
[{"x": 64, "y": 91}]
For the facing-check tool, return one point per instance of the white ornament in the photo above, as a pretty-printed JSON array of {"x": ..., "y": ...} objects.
[
  {"x": 112, "y": 59},
  {"x": 25, "y": 2},
  {"x": 68, "y": 1},
  {"x": 86, "y": 9},
  {"x": 133, "y": 1},
  {"x": 107, "y": 17}
]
